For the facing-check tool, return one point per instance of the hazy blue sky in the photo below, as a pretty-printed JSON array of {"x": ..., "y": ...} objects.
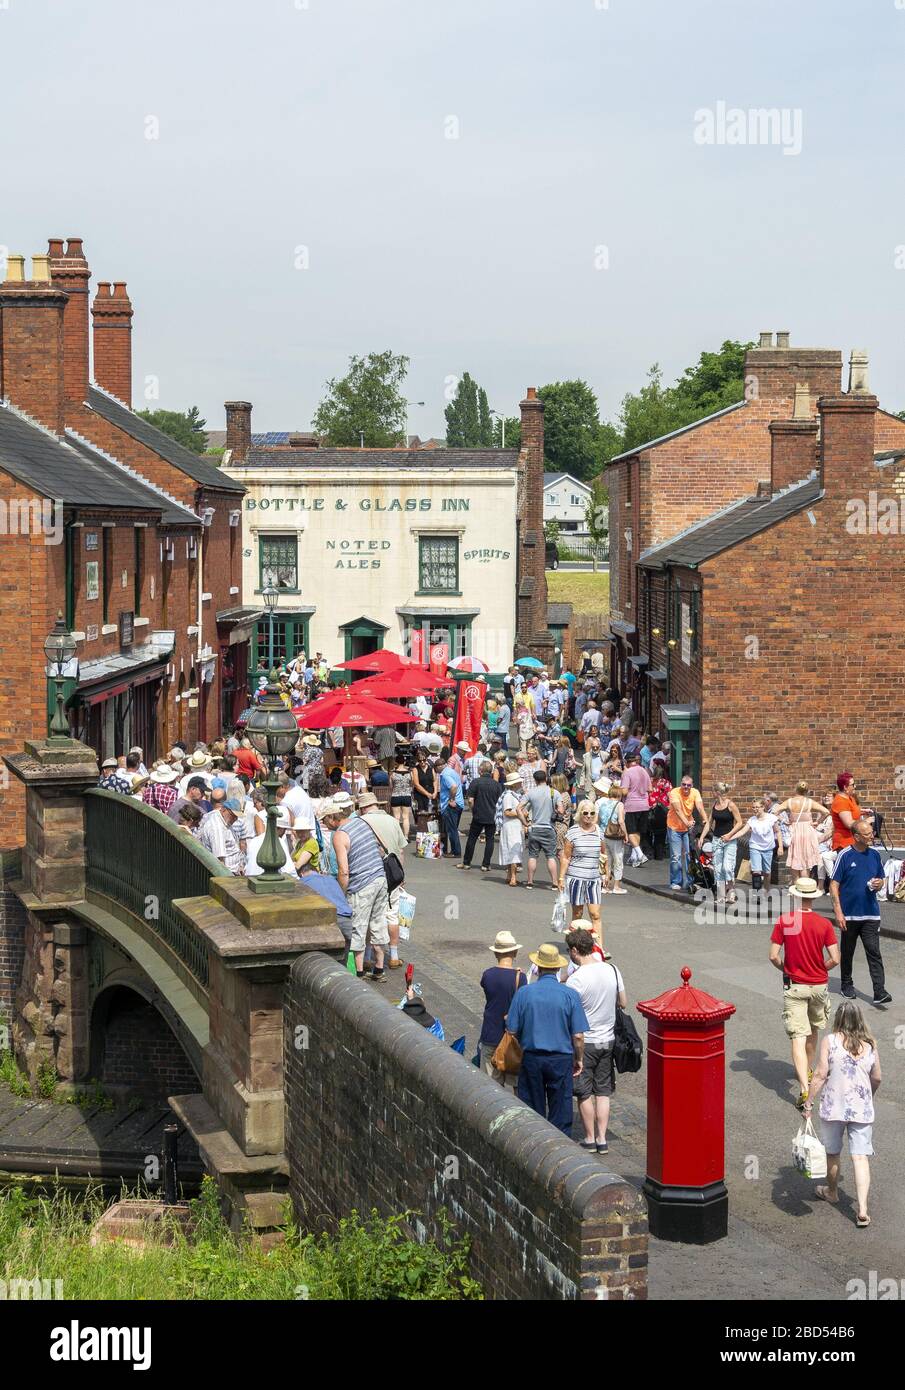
[{"x": 285, "y": 126}]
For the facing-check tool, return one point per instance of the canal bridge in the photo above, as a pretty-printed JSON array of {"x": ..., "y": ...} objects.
[{"x": 150, "y": 970}]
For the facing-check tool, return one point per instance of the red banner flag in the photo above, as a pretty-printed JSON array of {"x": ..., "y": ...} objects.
[
  {"x": 470, "y": 697},
  {"x": 439, "y": 658},
  {"x": 417, "y": 652}
]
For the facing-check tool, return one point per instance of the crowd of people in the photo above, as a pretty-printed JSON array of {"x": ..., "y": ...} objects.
[{"x": 563, "y": 779}]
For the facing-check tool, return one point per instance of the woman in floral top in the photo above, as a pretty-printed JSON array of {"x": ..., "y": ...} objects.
[
  {"x": 658, "y": 797},
  {"x": 848, "y": 1074}
]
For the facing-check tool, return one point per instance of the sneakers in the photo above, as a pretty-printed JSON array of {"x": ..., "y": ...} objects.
[
  {"x": 641, "y": 859},
  {"x": 603, "y": 1148},
  {"x": 849, "y": 992},
  {"x": 395, "y": 964},
  {"x": 676, "y": 887},
  {"x": 618, "y": 889},
  {"x": 884, "y": 998},
  {"x": 378, "y": 977}
]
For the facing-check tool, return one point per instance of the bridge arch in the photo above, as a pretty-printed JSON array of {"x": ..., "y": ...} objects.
[{"x": 132, "y": 1045}]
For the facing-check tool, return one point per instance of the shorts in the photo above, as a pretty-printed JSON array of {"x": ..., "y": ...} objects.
[
  {"x": 636, "y": 822},
  {"x": 860, "y": 1137},
  {"x": 583, "y": 890},
  {"x": 598, "y": 1074},
  {"x": 541, "y": 840},
  {"x": 393, "y": 906},
  {"x": 804, "y": 1008},
  {"x": 369, "y": 914},
  {"x": 400, "y": 801}
]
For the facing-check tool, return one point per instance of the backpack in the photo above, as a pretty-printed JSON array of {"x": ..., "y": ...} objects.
[{"x": 628, "y": 1049}]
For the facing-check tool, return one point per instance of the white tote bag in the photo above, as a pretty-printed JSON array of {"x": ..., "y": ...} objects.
[{"x": 808, "y": 1154}]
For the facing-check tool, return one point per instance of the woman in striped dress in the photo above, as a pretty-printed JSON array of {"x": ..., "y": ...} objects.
[{"x": 579, "y": 873}]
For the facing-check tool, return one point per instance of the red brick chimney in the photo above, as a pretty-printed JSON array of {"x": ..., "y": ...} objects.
[
  {"x": 31, "y": 342},
  {"x": 532, "y": 633},
  {"x": 847, "y": 424},
  {"x": 238, "y": 430},
  {"x": 772, "y": 371},
  {"x": 69, "y": 272},
  {"x": 793, "y": 443},
  {"x": 112, "y": 313}
]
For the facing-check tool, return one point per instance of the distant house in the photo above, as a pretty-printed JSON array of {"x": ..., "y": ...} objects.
[{"x": 565, "y": 501}]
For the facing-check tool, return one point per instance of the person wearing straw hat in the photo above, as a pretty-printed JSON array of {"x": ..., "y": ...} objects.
[
  {"x": 549, "y": 1021},
  {"x": 161, "y": 793},
  {"x": 802, "y": 945},
  {"x": 110, "y": 780},
  {"x": 499, "y": 983},
  {"x": 512, "y": 829}
]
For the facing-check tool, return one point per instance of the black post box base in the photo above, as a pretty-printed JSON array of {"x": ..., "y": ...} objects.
[{"x": 694, "y": 1215}]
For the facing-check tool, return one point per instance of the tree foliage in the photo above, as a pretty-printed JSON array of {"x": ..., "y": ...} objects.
[
  {"x": 366, "y": 405},
  {"x": 185, "y": 426},
  {"x": 571, "y": 428},
  {"x": 468, "y": 420},
  {"x": 716, "y": 380}
]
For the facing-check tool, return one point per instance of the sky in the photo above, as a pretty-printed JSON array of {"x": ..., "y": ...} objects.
[{"x": 528, "y": 190}]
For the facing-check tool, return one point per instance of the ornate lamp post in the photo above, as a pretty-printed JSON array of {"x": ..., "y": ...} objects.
[
  {"x": 273, "y": 732},
  {"x": 59, "y": 648},
  {"x": 270, "y": 596}
]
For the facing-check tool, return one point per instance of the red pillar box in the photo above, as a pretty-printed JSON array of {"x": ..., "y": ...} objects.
[{"x": 686, "y": 1093}]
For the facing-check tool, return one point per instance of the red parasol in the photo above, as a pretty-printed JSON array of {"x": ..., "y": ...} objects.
[
  {"x": 400, "y": 684},
  {"x": 377, "y": 662},
  {"x": 347, "y": 708}
]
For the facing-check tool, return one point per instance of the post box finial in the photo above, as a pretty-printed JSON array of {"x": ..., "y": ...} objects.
[{"x": 686, "y": 975}]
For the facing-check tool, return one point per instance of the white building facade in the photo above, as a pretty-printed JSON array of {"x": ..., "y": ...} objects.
[
  {"x": 565, "y": 501},
  {"x": 366, "y": 547}
]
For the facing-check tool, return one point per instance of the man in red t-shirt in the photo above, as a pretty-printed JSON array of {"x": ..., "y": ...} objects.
[{"x": 797, "y": 945}]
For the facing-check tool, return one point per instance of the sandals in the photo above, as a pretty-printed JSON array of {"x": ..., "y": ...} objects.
[
  {"x": 862, "y": 1222},
  {"x": 823, "y": 1194}
]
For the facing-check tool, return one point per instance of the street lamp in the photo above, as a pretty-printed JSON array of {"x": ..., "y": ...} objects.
[
  {"x": 270, "y": 596},
  {"x": 59, "y": 648},
  {"x": 405, "y": 433},
  {"x": 273, "y": 732}
]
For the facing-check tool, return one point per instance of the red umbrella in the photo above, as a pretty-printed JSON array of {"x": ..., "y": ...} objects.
[
  {"x": 377, "y": 661},
  {"x": 346, "y": 708},
  {"x": 398, "y": 684}
]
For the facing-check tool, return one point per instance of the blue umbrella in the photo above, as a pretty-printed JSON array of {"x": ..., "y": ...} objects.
[{"x": 530, "y": 661}]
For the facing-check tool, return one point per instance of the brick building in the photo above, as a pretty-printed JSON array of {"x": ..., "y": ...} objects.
[
  {"x": 135, "y": 539},
  {"x": 735, "y": 621}
]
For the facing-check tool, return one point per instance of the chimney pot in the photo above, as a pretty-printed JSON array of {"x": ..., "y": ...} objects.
[
  {"x": 782, "y": 340},
  {"x": 802, "y": 406},
  {"x": 531, "y": 393},
  {"x": 103, "y": 289},
  {"x": 74, "y": 248},
  {"x": 15, "y": 270},
  {"x": 766, "y": 340},
  {"x": 857, "y": 372},
  {"x": 55, "y": 246},
  {"x": 119, "y": 289},
  {"x": 40, "y": 270}
]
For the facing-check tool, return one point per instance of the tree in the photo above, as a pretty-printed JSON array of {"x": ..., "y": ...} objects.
[
  {"x": 512, "y": 434},
  {"x": 366, "y": 405},
  {"x": 597, "y": 516},
  {"x": 717, "y": 380},
  {"x": 571, "y": 428},
  {"x": 468, "y": 420},
  {"x": 185, "y": 426}
]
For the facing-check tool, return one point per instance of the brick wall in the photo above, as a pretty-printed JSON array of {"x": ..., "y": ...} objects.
[
  {"x": 803, "y": 662},
  {"x": 12, "y": 935},
  {"x": 381, "y": 1115},
  {"x": 140, "y": 1051}
]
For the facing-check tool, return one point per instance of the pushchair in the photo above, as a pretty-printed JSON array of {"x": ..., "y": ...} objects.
[{"x": 700, "y": 865}]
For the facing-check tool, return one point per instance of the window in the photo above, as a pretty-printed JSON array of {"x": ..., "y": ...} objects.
[
  {"x": 455, "y": 632},
  {"x": 438, "y": 564},
  {"x": 553, "y": 498},
  {"x": 279, "y": 562},
  {"x": 575, "y": 500}
]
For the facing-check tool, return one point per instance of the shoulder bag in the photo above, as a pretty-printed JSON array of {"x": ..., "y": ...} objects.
[
  {"x": 392, "y": 864},
  {"x": 508, "y": 1055},
  {"x": 613, "y": 830},
  {"x": 628, "y": 1049}
]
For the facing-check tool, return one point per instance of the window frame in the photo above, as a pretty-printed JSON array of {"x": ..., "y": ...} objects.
[
  {"x": 286, "y": 538},
  {"x": 432, "y": 538}
]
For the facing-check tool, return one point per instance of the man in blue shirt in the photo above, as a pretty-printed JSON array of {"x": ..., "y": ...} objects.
[
  {"x": 452, "y": 804},
  {"x": 550, "y": 1024},
  {"x": 856, "y": 877},
  {"x": 327, "y": 887}
]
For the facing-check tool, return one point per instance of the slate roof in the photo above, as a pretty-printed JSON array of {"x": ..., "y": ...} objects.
[
  {"x": 551, "y": 478},
  {"x": 201, "y": 469},
  {"x": 735, "y": 523},
  {"x": 559, "y": 614},
  {"x": 419, "y": 459},
  {"x": 674, "y": 434},
  {"x": 76, "y": 475}
]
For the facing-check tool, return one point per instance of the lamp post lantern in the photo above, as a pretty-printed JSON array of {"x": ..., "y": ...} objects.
[
  {"x": 59, "y": 648},
  {"x": 273, "y": 732},
  {"x": 270, "y": 596}
]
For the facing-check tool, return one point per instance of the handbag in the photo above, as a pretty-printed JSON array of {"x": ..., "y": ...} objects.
[
  {"x": 613, "y": 830},
  {"x": 392, "y": 864},
  {"x": 628, "y": 1049},
  {"x": 507, "y": 1056},
  {"x": 808, "y": 1154}
]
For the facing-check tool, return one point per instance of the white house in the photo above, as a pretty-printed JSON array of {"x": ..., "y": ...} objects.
[{"x": 565, "y": 500}]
